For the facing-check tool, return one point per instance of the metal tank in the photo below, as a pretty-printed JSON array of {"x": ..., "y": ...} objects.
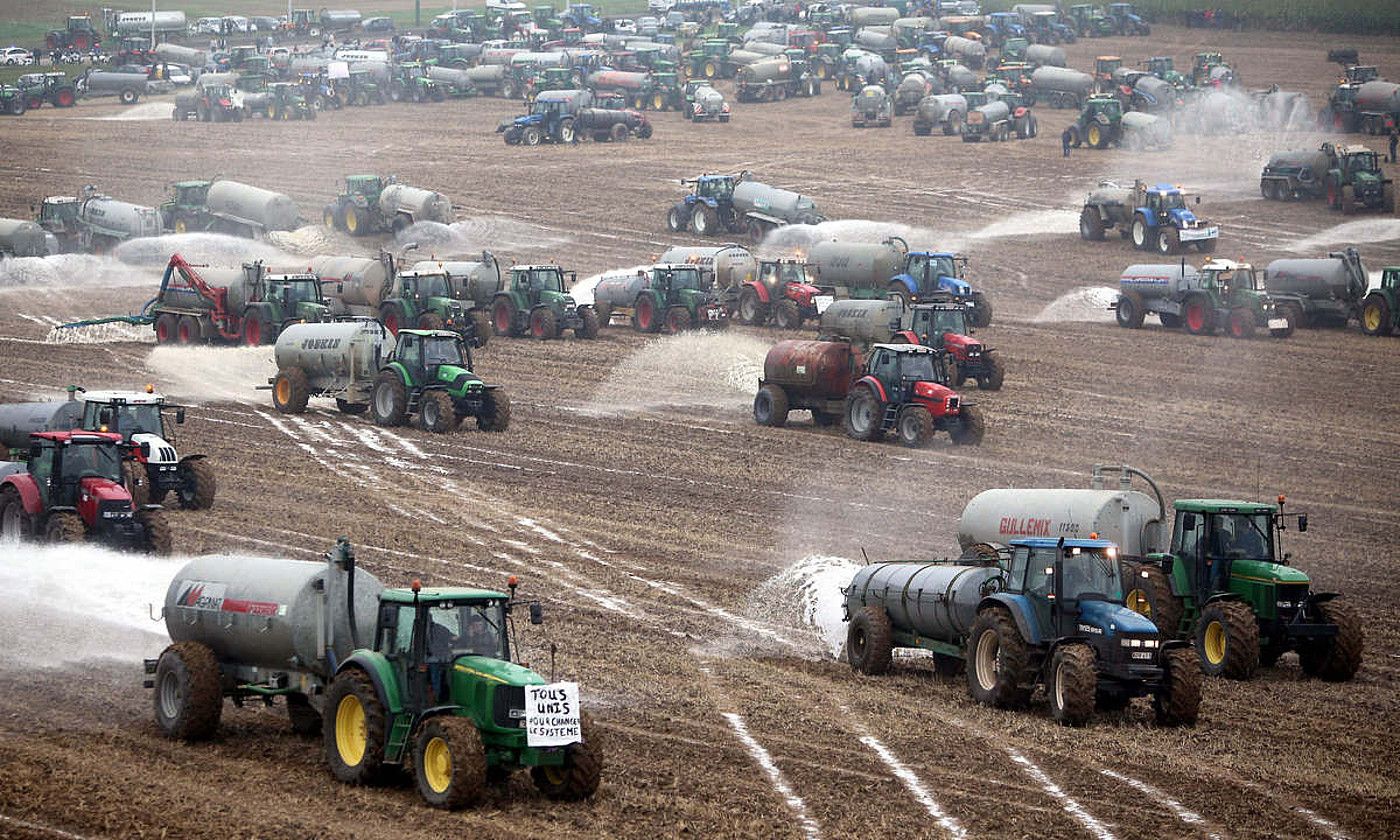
[
  {"x": 935, "y": 600},
  {"x": 339, "y": 20},
  {"x": 119, "y": 219},
  {"x": 476, "y": 281},
  {"x": 335, "y": 355},
  {"x": 1044, "y": 55},
  {"x": 423, "y": 205},
  {"x": 961, "y": 78},
  {"x": 857, "y": 264},
  {"x": 379, "y": 70},
  {"x": 728, "y": 265},
  {"x": 873, "y": 16},
  {"x": 108, "y": 81},
  {"x": 620, "y": 79},
  {"x": 541, "y": 59},
  {"x": 744, "y": 58},
  {"x": 210, "y": 79},
  {"x": 461, "y": 78},
  {"x": 1313, "y": 161},
  {"x": 18, "y": 420},
  {"x": 1218, "y": 112},
  {"x": 1378, "y": 96},
  {"x": 620, "y": 288},
  {"x": 935, "y": 109},
  {"x": 1332, "y": 277},
  {"x": 264, "y": 612},
  {"x": 196, "y": 59},
  {"x": 238, "y": 285},
  {"x": 1157, "y": 94},
  {"x": 993, "y": 112},
  {"x": 142, "y": 23},
  {"x": 764, "y": 48},
  {"x": 1157, "y": 280},
  {"x": 871, "y": 67},
  {"x": 21, "y": 238},
  {"x": 1142, "y": 130},
  {"x": 768, "y": 70},
  {"x": 791, "y": 207},
  {"x": 873, "y": 39},
  {"x": 970, "y": 52},
  {"x": 819, "y": 369},
  {"x": 271, "y": 210},
  {"x": 352, "y": 281},
  {"x": 1062, "y": 80},
  {"x": 499, "y": 55},
  {"x": 862, "y": 321}
]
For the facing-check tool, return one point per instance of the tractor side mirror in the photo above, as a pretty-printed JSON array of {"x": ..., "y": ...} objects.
[
  {"x": 180, "y": 416},
  {"x": 1302, "y": 522},
  {"x": 1188, "y": 522},
  {"x": 1198, "y": 199},
  {"x": 104, "y": 417},
  {"x": 146, "y": 449},
  {"x": 536, "y": 613}
]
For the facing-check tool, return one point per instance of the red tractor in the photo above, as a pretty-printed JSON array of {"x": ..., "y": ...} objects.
[
  {"x": 944, "y": 325},
  {"x": 783, "y": 294},
  {"x": 70, "y": 489}
]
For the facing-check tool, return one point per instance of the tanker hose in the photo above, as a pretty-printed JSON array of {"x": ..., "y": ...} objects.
[
  {"x": 347, "y": 557},
  {"x": 1156, "y": 491}
]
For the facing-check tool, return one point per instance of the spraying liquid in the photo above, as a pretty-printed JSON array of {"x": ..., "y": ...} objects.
[
  {"x": 1089, "y": 303},
  {"x": 199, "y": 248},
  {"x": 69, "y": 270},
  {"x": 810, "y": 590},
  {"x": 212, "y": 374},
  {"x": 1351, "y": 233},
  {"x": 470, "y": 236},
  {"x": 148, "y": 111},
  {"x": 115, "y": 333},
  {"x": 1030, "y": 223},
  {"x": 692, "y": 370},
  {"x": 797, "y": 239},
  {"x": 62, "y": 604},
  {"x": 315, "y": 240},
  {"x": 582, "y": 291}
]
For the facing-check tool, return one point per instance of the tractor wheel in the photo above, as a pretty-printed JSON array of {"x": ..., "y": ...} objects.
[
  {"x": 1168, "y": 241},
  {"x": 436, "y": 413},
  {"x": 678, "y": 320},
  {"x": 188, "y": 700},
  {"x": 1091, "y": 225},
  {"x": 255, "y": 330},
  {"x": 770, "y": 406},
  {"x": 1227, "y": 640},
  {"x": 1293, "y": 314},
  {"x": 187, "y": 330},
  {"x": 1179, "y": 701},
  {"x": 157, "y": 528},
  {"x": 704, "y": 221},
  {"x": 64, "y": 527},
  {"x": 582, "y": 770},
  {"x": 449, "y": 762},
  {"x": 15, "y": 524},
  {"x": 430, "y": 321},
  {"x": 1199, "y": 316},
  {"x": 530, "y": 136},
  {"x": 1139, "y": 229},
  {"x": 752, "y": 311},
  {"x": 956, "y": 377},
  {"x": 644, "y": 316},
  {"x": 914, "y": 426},
  {"x": 352, "y": 409},
  {"x": 677, "y": 218},
  {"x": 1347, "y": 197},
  {"x": 589, "y": 325},
  {"x": 604, "y": 311},
  {"x": 305, "y": 720},
  {"x": 495, "y": 411},
  {"x": 786, "y": 315},
  {"x": 1073, "y": 684},
  {"x": 981, "y": 315},
  {"x": 864, "y": 416},
  {"x": 566, "y": 131},
  {"x": 619, "y": 133},
  {"x": 757, "y": 231},
  {"x": 1130, "y": 310},
  {"x": 995, "y": 372},
  {"x": 1376, "y": 316},
  {"x": 1149, "y": 594},
  {"x": 996, "y": 660},
  {"x": 353, "y": 736},
  {"x": 137, "y": 484},
  {"x": 198, "y": 484},
  {"x": 355, "y": 222},
  {"x": 330, "y": 217},
  {"x": 1335, "y": 659},
  {"x": 971, "y": 428},
  {"x": 165, "y": 328},
  {"x": 481, "y": 326},
  {"x": 389, "y": 400},
  {"x": 503, "y": 317},
  {"x": 543, "y": 324},
  {"x": 290, "y": 391},
  {"x": 868, "y": 641},
  {"x": 1241, "y": 323}
]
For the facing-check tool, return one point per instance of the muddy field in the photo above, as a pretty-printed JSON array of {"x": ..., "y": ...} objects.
[{"x": 679, "y": 548}]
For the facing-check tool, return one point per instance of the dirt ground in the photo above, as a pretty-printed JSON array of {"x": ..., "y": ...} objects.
[{"x": 669, "y": 536}]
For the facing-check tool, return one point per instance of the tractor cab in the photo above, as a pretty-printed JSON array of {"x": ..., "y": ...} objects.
[
  {"x": 718, "y": 188},
  {"x": 432, "y": 356},
  {"x": 426, "y": 633},
  {"x": 976, "y": 99},
  {"x": 366, "y": 187},
  {"x": 1229, "y": 277},
  {"x": 428, "y": 295},
  {"x": 1106, "y": 110},
  {"x": 127, "y": 413},
  {"x": 674, "y": 280},
  {"x": 1104, "y": 68},
  {"x": 1357, "y": 160},
  {"x": 908, "y": 372},
  {"x": 935, "y": 323},
  {"x": 58, "y": 214},
  {"x": 61, "y": 461},
  {"x": 186, "y": 205},
  {"x": 932, "y": 273},
  {"x": 775, "y": 274},
  {"x": 538, "y": 282},
  {"x": 1358, "y": 74}
]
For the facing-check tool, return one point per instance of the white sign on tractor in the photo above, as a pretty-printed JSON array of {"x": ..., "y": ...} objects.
[{"x": 552, "y": 715}]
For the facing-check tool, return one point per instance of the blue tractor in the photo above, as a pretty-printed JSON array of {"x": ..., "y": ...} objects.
[
  {"x": 1154, "y": 216},
  {"x": 1126, "y": 20},
  {"x": 582, "y": 16},
  {"x": 926, "y": 274},
  {"x": 1003, "y": 25}
]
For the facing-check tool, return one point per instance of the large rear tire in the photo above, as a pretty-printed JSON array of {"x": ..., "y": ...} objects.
[
  {"x": 770, "y": 406},
  {"x": 449, "y": 762},
  {"x": 389, "y": 400},
  {"x": 752, "y": 311},
  {"x": 188, "y": 700},
  {"x": 997, "y": 660},
  {"x": 864, "y": 416},
  {"x": 354, "y": 728},
  {"x": 1198, "y": 315},
  {"x": 1335, "y": 659},
  {"x": 1073, "y": 684},
  {"x": 1227, "y": 640},
  {"x": 503, "y": 317},
  {"x": 869, "y": 642}
]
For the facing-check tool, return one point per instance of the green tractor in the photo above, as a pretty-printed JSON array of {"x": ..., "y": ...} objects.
[
  {"x": 410, "y": 83},
  {"x": 1090, "y": 22},
  {"x": 53, "y": 88},
  {"x": 286, "y": 101},
  {"x": 1380, "y": 311},
  {"x": 1225, "y": 582},
  {"x": 424, "y": 298},
  {"x": 359, "y": 211},
  {"x": 1355, "y": 179},
  {"x": 12, "y": 101},
  {"x": 1100, "y": 124},
  {"x": 429, "y": 374},
  {"x": 535, "y": 298},
  {"x": 1164, "y": 68},
  {"x": 711, "y": 60},
  {"x": 185, "y": 212},
  {"x": 360, "y": 89}
]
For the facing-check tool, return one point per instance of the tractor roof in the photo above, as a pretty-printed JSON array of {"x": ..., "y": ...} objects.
[
  {"x": 438, "y": 594},
  {"x": 534, "y": 267},
  {"x": 184, "y": 185},
  {"x": 1051, "y": 542},
  {"x": 61, "y": 199},
  {"x": 1218, "y": 264},
  {"x": 78, "y": 436},
  {"x": 1223, "y": 506},
  {"x": 1353, "y": 149},
  {"x": 128, "y": 397},
  {"x": 905, "y": 348},
  {"x": 1169, "y": 189},
  {"x": 430, "y": 333}
]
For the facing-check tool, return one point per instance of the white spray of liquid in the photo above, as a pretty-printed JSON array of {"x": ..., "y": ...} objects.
[
  {"x": 469, "y": 237},
  {"x": 1030, "y": 223},
  {"x": 315, "y": 240},
  {"x": 1350, "y": 233},
  {"x": 214, "y": 249},
  {"x": 1089, "y": 303},
  {"x": 583, "y": 289},
  {"x": 69, "y": 603},
  {"x": 212, "y": 374},
  {"x": 112, "y": 333},
  {"x": 146, "y": 111},
  {"x": 72, "y": 270},
  {"x": 798, "y": 239},
  {"x": 813, "y": 586},
  {"x": 692, "y": 370}
]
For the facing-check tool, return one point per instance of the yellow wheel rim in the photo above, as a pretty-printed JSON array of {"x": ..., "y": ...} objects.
[
  {"x": 437, "y": 765},
  {"x": 181, "y": 227},
  {"x": 351, "y": 222},
  {"x": 1138, "y": 603},
  {"x": 554, "y": 775},
  {"x": 1373, "y": 317},
  {"x": 350, "y": 737},
  {"x": 1094, "y": 136},
  {"x": 328, "y": 219},
  {"x": 284, "y": 396},
  {"x": 1215, "y": 643}
]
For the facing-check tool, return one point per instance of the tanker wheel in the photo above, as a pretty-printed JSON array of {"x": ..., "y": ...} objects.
[
  {"x": 128, "y": 97},
  {"x": 449, "y": 762},
  {"x": 1073, "y": 684},
  {"x": 15, "y": 524},
  {"x": 1336, "y": 658},
  {"x": 1130, "y": 311},
  {"x": 165, "y": 328},
  {"x": 389, "y": 400},
  {"x": 543, "y": 324},
  {"x": 436, "y": 413},
  {"x": 582, "y": 769},
  {"x": 995, "y": 373},
  {"x": 618, "y": 133},
  {"x": 1227, "y": 640},
  {"x": 255, "y": 331},
  {"x": 188, "y": 700},
  {"x": 157, "y": 529},
  {"x": 198, "y": 484},
  {"x": 64, "y": 527},
  {"x": 290, "y": 391},
  {"x": 757, "y": 231},
  {"x": 787, "y": 315},
  {"x": 864, "y": 416},
  {"x": 1199, "y": 316},
  {"x": 915, "y": 426},
  {"x": 869, "y": 646},
  {"x": 1241, "y": 323},
  {"x": 305, "y": 720},
  {"x": 589, "y": 325},
  {"x": 495, "y": 411},
  {"x": 1150, "y": 594},
  {"x": 970, "y": 428},
  {"x": 137, "y": 484},
  {"x": 678, "y": 320},
  {"x": 1091, "y": 225},
  {"x": 1179, "y": 701},
  {"x": 704, "y": 221},
  {"x": 644, "y": 315},
  {"x": 770, "y": 406},
  {"x": 1376, "y": 316},
  {"x": 353, "y": 739},
  {"x": 752, "y": 311},
  {"x": 187, "y": 330},
  {"x": 503, "y": 317},
  {"x": 996, "y": 660}
]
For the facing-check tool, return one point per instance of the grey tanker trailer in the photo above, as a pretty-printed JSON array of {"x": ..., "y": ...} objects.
[
  {"x": 1321, "y": 291},
  {"x": 22, "y": 238}
]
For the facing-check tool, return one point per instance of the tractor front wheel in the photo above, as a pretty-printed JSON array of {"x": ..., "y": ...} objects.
[
  {"x": 970, "y": 428},
  {"x": 678, "y": 320},
  {"x": 1073, "y": 684},
  {"x": 995, "y": 372},
  {"x": 582, "y": 769},
  {"x": 449, "y": 762},
  {"x": 869, "y": 646},
  {"x": 64, "y": 527},
  {"x": 543, "y": 324},
  {"x": 1336, "y": 658},
  {"x": 188, "y": 699},
  {"x": 915, "y": 426},
  {"x": 1227, "y": 640},
  {"x": 996, "y": 660},
  {"x": 157, "y": 530},
  {"x": 1241, "y": 323},
  {"x": 353, "y": 733},
  {"x": 589, "y": 325},
  {"x": 495, "y": 411},
  {"x": 436, "y": 413},
  {"x": 787, "y": 315},
  {"x": 1179, "y": 701},
  {"x": 389, "y": 401},
  {"x": 197, "y": 484}
]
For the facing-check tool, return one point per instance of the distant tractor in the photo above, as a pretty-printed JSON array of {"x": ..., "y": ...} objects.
[
  {"x": 1154, "y": 216},
  {"x": 53, "y": 88},
  {"x": 1223, "y": 293},
  {"x": 534, "y": 299},
  {"x": 736, "y": 204},
  {"x": 871, "y": 106},
  {"x": 1349, "y": 176},
  {"x": 943, "y": 324},
  {"x": 374, "y": 204},
  {"x": 1100, "y": 123},
  {"x": 666, "y": 296}
]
